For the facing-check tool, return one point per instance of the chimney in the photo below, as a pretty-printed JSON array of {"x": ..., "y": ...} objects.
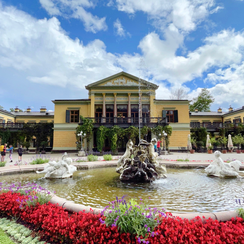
[
  {"x": 230, "y": 109},
  {"x": 43, "y": 110},
  {"x": 28, "y": 110},
  {"x": 220, "y": 110},
  {"x": 16, "y": 110}
]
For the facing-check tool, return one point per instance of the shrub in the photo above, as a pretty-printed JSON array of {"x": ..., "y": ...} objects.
[
  {"x": 31, "y": 192},
  {"x": 183, "y": 160},
  {"x": 107, "y": 157},
  {"x": 241, "y": 212},
  {"x": 92, "y": 158},
  {"x": 40, "y": 161},
  {"x": 80, "y": 160},
  {"x": 2, "y": 164},
  {"x": 133, "y": 218}
]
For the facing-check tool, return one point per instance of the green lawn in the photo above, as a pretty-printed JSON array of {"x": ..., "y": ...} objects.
[{"x": 4, "y": 239}]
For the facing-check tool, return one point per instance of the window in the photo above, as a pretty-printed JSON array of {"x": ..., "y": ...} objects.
[
  {"x": 98, "y": 111},
  {"x": 237, "y": 121},
  {"x": 109, "y": 111},
  {"x": 72, "y": 116},
  {"x": 122, "y": 110},
  {"x": 170, "y": 115}
]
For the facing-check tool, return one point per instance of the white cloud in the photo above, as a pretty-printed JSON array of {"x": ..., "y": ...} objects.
[
  {"x": 50, "y": 7},
  {"x": 43, "y": 52},
  {"x": 119, "y": 29},
  {"x": 184, "y": 14},
  {"x": 229, "y": 84},
  {"x": 220, "y": 50},
  {"x": 40, "y": 52},
  {"x": 75, "y": 9}
]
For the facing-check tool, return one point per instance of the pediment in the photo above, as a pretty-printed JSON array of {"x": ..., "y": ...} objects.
[{"x": 121, "y": 79}]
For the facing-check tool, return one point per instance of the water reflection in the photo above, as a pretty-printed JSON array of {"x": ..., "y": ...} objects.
[{"x": 182, "y": 191}]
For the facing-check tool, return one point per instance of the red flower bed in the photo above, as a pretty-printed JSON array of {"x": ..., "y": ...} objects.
[{"x": 58, "y": 226}]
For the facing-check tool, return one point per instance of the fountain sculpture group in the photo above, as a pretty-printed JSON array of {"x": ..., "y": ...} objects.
[
  {"x": 138, "y": 164},
  {"x": 220, "y": 169},
  {"x": 59, "y": 170}
]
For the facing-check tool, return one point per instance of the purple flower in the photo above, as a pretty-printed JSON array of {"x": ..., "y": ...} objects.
[{"x": 102, "y": 221}]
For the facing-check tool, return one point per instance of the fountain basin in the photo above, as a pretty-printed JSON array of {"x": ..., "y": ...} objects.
[{"x": 184, "y": 191}]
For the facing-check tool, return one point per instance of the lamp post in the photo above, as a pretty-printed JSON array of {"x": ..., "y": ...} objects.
[
  {"x": 164, "y": 142},
  {"x": 81, "y": 153}
]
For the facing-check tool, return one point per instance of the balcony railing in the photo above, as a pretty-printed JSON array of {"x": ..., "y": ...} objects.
[
  {"x": 13, "y": 125},
  {"x": 127, "y": 120},
  {"x": 215, "y": 125}
]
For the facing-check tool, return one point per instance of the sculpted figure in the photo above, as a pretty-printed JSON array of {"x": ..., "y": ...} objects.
[
  {"x": 221, "y": 169},
  {"x": 139, "y": 163},
  {"x": 60, "y": 169},
  {"x": 127, "y": 155}
]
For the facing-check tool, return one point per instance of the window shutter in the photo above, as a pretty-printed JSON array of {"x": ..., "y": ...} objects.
[
  {"x": 176, "y": 116},
  {"x": 67, "y": 116},
  {"x": 164, "y": 113}
]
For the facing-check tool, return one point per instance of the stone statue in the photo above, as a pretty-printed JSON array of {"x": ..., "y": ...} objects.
[
  {"x": 61, "y": 169},
  {"x": 127, "y": 155},
  {"x": 139, "y": 163},
  {"x": 220, "y": 169}
]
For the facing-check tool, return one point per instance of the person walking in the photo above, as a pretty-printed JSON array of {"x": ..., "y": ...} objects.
[
  {"x": 3, "y": 153},
  {"x": 159, "y": 146},
  {"x": 20, "y": 152},
  {"x": 1, "y": 150},
  {"x": 11, "y": 150}
]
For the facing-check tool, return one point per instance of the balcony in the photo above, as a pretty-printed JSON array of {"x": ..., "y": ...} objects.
[
  {"x": 127, "y": 121},
  {"x": 214, "y": 126},
  {"x": 13, "y": 126}
]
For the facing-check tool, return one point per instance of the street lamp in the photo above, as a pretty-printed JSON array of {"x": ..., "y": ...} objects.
[
  {"x": 81, "y": 152},
  {"x": 164, "y": 142}
]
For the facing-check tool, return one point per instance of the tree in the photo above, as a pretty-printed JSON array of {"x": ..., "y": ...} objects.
[
  {"x": 1, "y": 107},
  {"x": 202, "y": 102},
  {"x": 12, "y": 110},
  {"x": 87, "y": 128},
  {"x": 179, "y": 94}
]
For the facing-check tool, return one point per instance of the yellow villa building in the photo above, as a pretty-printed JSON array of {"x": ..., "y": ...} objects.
[{"x": 117, "y": 100}]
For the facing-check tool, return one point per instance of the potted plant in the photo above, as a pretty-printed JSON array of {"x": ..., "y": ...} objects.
[
  {"x": 210, "y": 149},
  {"x": 238, "y": 140},
  {"x": 223, "y": 141},
  {"x": 44, "y": 144},
  {"x": 214, "y": 142}
]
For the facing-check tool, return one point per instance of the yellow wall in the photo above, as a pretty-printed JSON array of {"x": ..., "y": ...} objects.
[
  {"x": 178, "y": 139},
  {"x": 60, "y": 111},
  {"x": 6, "y": 118},
  {"x": 33, "y": 119},
  {"x": 234, "y": 115},
  {"x": 64, "y": 139},
  {"x": 205, "y": 119},
  {"x": 183, "y": 110}
]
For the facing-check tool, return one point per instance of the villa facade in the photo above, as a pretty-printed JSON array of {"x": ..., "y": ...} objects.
[{"x": 120, "y": 100}]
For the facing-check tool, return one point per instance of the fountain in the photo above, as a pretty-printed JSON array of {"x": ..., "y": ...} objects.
[
  {"x": 59, "y": 170},
  {"x": 81, "y": 153},
  {"x": 220, "y": 169},
  {"x": 138, "y": 164}
]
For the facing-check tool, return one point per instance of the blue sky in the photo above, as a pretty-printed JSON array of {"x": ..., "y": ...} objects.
[{"x": 51, "y": 49}]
